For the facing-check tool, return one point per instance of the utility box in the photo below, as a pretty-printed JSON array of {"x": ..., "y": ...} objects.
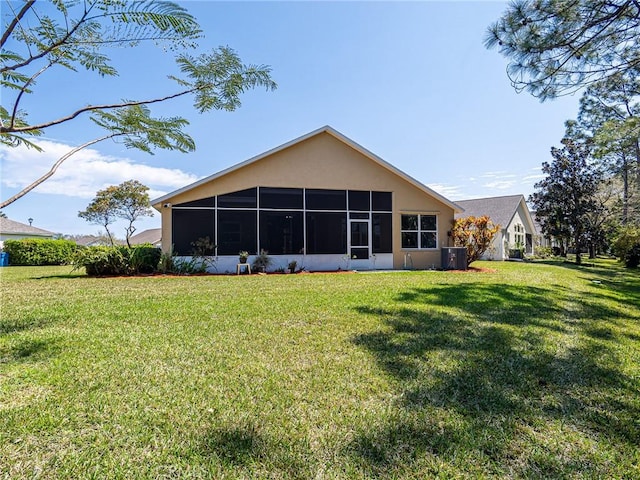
[{"x": 454, "y": 258}]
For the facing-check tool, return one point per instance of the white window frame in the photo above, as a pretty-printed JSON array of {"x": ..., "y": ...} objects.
[{"x": 419, "y": 231}]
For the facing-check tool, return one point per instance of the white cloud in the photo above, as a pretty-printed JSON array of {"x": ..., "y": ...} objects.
[
  {"x": 84, "y": 173},
  {"x": 500, "y": 184},
  {"x": 448, "y": 191}
]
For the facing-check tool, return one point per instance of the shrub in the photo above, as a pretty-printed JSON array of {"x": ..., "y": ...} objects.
[
  {"x": 475, "y": 234},
  {"x": 144, "y": 258},
  {"x": 627, "y": 246},
  {"x": 39, "y": 251},
  {"x": 118, "y": 260},
  {"x": 543, "y": 252},
  {"x": 170, "y": 263}
]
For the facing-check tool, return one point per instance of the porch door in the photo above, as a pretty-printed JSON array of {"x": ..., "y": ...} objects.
[{"x": 360, "y": 239}]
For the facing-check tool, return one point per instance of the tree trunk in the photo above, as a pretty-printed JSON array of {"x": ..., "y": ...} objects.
[
  {"x": 577, "y": 246},
  {"x": 625, "y": 189}
]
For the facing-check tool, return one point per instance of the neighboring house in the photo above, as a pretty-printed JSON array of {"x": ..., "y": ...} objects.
[
  {"x": 540, "y": 240},
  {"x": 12, "y": 230},
  {"x": 517, "y": 228},
  {"x": 90, "y": 240},
  {"x": 152, "y": 236},
  {"x": 321, "y": 200}
]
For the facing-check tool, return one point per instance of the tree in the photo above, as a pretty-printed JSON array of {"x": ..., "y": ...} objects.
[
  {"x": 565, "y": 198},
  {"x": 556, "y": 46},
  {"x": 128, "y": 201},
  {"x": 132, "y": 199},
  {"x": 76, "y": 35},
  {"x": 474, "y": 233},
  {"x": 101, "y": 211},
  {"x": 609, "y": 117}
]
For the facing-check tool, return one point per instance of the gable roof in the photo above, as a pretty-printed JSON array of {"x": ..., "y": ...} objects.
[
  {"x": 152, "y": 236},
  {"x": 501, "y": 210},
  {"x": 11, "y": 227},
  {"x": 339, "y": 136}
]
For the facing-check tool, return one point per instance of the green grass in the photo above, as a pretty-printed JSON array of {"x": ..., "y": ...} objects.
[{"x": 532, "y": 371}]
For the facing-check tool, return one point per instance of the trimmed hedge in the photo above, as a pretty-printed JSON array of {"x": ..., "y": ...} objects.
[
  {"x": 39, "y": 251},
  {"x": 118, "y": 260}
]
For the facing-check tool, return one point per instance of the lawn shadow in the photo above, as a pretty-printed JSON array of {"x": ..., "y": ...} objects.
[
  {"x": 28, "y": 350},
  {"x": 12, "y": 325},
  {"x": 246, "y": 447},
  {"x": 468, "y": 361}
]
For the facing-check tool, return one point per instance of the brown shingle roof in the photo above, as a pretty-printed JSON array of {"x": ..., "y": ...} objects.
[{"x": 152, "y": 236}]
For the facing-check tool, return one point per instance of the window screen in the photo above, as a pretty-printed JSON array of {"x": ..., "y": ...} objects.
[
  {"x": 237, "y": 231},
  {"x": 326, "y": 199},
  {"x": 281, "y": 233},
  {"x": 359, "y": 200},
  {"x": 326, "y": 232},
  {"x": 381, "y": 201},
  {"x": 282, "y": 198},
  {"x": 187, "y": 226},
  {"x": 241, "y": 199}
]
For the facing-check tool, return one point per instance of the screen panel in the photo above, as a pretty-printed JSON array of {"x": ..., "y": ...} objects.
[
  {"x": 237, "y": 231},
  {"x": 281, "y": 198},
  {"x": 282, "y": 233},
  {"x": 326, "y": 199},
  {"x": 240, "y": 199},
  {"x": 381, "y": 201},
  {"x": 188, "y": 226},
  {"x": 326, "y": 232}
]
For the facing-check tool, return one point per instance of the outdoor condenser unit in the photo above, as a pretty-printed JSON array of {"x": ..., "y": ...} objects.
[{"x": 454, "y": 258}]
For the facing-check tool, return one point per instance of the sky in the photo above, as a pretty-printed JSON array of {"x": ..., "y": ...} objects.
[{"x": 410, "y": 81}]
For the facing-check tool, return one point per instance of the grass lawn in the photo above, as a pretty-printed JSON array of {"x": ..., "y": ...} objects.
[{"x": 531, "y": 371}]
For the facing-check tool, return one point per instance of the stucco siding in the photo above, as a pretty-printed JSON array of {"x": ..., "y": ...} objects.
[{"x": 325, "y": 162}]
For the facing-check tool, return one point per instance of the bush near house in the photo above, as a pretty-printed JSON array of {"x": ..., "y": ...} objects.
[
  {"x": 118, "y": 260},
  {"x": 39, "y": 251}
]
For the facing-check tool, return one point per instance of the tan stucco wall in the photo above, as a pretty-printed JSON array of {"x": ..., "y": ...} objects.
[{"x": 323, "y": 161}]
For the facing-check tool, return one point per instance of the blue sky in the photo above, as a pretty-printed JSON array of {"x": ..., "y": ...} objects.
[{"x": 410, "y": 81}]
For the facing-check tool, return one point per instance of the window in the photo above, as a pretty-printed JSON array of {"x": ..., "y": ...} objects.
[
  {"x": 236, "y": 231},
  {"x": 519, "y": 234},
  {"x": 281, "y": 198},
  {"x": 203, "y": 202},
  {"x": 281, "y": 233},
  {"x": 381, "y": 233},
  {"x": 381, "y": 201},
  {"x": 419, "y": 231},
  {"x": 187, "y": 226},
  {"x": 359, "y": 200},
  {"x": 326, "y": 199},
  {"x": 242, "y": 199},
  {"x": 326, "y": 232}
]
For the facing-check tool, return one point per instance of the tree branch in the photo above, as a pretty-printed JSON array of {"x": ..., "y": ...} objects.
[
  {"x": 22, "y": 91},
  {"x": 53, "y": 169},
  {"x": 47, "y": 50},
  {"x": 92, "y": 108},
  {"x": 7, "y": 33}
]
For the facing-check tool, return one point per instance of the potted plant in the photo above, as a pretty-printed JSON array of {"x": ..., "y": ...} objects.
[
  {"x": 244, "y": 256},
  {"x": 292, "y": 266},
  {"x": 262, "y": 261}
]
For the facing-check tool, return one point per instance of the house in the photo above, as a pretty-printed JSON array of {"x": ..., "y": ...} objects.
[
  {"x": 90, "y": 240},
  {"x": 517, "y": 228},
  {"x": 12, "y": 230},
  {"x": 321, "y": 200},
  {"x": 152, "y": 236},
  {"x": 540, "y": 239}
]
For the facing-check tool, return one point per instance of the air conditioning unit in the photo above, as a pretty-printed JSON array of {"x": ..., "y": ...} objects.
[{"x": 454, "y": 258}]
